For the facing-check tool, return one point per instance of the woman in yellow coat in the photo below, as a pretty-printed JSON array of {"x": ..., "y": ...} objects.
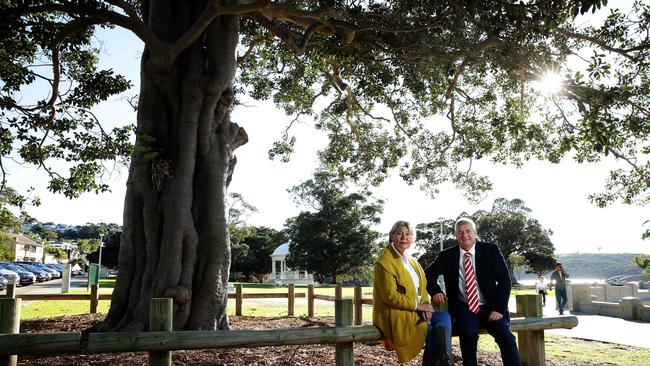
[{"x": 402, "y": 308}]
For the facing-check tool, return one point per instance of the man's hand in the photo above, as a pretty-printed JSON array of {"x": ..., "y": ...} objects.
[
  {"x": 439, "y": 298},
  {"x": 494, "y": 316}
]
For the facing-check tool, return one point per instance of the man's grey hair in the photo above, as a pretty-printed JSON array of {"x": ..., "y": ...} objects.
[
  {"x": 464, "y": 221},
  {"x": 398, "y": 226}
]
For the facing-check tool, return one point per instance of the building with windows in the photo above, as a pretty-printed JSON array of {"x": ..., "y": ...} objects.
[
  {"x": 281, "y": 274},
  {"x": 26, "y": 248}
]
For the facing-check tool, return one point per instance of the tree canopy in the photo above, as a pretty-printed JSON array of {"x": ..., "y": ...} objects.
[
  {"x": 425, "y": 88},
  {"x": 642, "y": 261},
  {"x": 384, "y": 69},
  {"x": 510, "y": 225},
  {"x": 428, "y": 238},
  {"x": 539, "y": 262},
  {"x": 6, "y": 254},
  {"x": 334, "y": 237},
  {"x": 523, "y": 241},
  {"x": 255, "y": 261}
]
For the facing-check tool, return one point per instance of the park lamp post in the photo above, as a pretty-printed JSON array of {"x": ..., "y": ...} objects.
[
  {"x": 441, "y": 219},
  {"x": 599, "y": 264},
  {"x": 101, "y": 244}
]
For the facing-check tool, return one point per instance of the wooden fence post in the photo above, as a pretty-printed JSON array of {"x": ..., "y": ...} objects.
[
  {"x": 338, "y": 292},
  {"x": 160, "y": 318},
  {"x": 310, "y": 301},
  {"x": 531, "y": 342},
  {"x": 9, "y": 324},
  {"x": 238, "y": 298},
  {"x": 291, "y": 299},
  {"x": 358, "y": 305},
  {"x": 344, "y": 355},
  {"x": 11, "y": 291},
  {"x": 94, "y": 298}
]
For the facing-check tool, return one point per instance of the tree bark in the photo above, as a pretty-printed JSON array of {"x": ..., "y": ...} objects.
[{"x": 175, "y": 240}]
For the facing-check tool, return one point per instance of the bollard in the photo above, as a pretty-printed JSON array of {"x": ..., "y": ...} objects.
[
  {"x": 65, "y": 279},
  {"x": 238, "y": 298},
  {"x": 310, "y": 301},
  {"x": 531, "y": 342},
  {"x": 11, "y": 291},
  {"x": 344, "y": 355},
  {"x": 9, "y": 324},
  {"x": 291, "y": 295},
  {"x": 358, "y": 305},
  {"x": 94, "y": 298},
  {"x": 338, "y": 292},
  {"x": 160, "y": 318}
]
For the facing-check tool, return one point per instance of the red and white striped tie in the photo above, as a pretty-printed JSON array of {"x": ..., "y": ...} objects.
[{"x": 470, "y": 285}]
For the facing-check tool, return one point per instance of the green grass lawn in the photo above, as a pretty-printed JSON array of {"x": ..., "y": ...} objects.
[
  {"x": 251, "y": 307},
  {"x": 574, "y": 349}
]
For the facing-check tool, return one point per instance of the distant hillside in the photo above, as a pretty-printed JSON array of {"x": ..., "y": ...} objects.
[{"x": 593, "y": 265}]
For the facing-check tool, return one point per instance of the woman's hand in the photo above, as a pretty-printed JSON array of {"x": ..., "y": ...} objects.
[{"x": 425, "y": 308}]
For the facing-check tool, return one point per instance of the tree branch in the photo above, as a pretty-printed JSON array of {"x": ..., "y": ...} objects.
[
  {"x": 279, "y": 31},
  {"x": 621, "y": 51},
  {"x": 210, "y": 12}
]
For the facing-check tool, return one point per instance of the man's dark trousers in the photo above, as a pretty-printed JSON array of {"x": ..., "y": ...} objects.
[
  {"x": 467, "y": 325},
  {"x": 561, "y": 298}
]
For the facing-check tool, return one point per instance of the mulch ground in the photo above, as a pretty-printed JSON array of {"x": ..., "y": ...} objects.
[{"x": 310, "y": 355}]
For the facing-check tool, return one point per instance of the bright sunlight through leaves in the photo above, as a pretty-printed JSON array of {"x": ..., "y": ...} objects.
[{"x": 550, "y": 83}]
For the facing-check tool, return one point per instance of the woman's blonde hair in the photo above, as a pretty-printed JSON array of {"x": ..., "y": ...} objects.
[{"x": 398, "y": 226}]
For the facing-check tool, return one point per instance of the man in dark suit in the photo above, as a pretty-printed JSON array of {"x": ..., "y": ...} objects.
[{"x": 478, "y": 288}]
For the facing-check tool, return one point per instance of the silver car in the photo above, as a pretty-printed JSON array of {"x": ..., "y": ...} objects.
[{"x": 11, "y": 276}]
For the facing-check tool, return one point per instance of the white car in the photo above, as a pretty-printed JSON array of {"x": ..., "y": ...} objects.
[{"x": 11, "y": 276}]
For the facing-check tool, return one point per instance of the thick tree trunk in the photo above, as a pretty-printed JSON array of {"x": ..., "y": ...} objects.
[{"x": 175, "y": 241}]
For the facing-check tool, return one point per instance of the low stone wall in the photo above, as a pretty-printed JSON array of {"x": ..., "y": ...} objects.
[
  {"x": 611, "y": 293},
  {"x": 589, "y": 299},
  {"x": 644, "y": 313},
  {"x": 600, "y": 308}
]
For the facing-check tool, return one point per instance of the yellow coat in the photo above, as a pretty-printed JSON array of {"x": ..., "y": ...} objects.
[{"x": 394, "y": 302}]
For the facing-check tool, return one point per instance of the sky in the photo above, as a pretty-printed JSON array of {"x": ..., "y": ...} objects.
[{"x": 556, "y": 194}]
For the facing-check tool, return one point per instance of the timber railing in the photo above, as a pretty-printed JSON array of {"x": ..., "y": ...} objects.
[
  {"x": 95, "y": 296},
  {"x": 161, "y": 340}
]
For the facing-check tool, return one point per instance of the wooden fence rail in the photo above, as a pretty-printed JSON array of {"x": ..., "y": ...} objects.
[
  {"x": 94, "y": 297},
  {"x": 159, "y": 343},
  {"x": 69, "y": 342}
]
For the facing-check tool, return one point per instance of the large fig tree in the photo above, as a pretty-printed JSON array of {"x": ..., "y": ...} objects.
[{"x": 427, "y": 87}]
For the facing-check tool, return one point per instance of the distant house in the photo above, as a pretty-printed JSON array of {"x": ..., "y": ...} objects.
[
  {"x": 70, "y": 247},
  {"x": 282, "y": 274},
  {"x": 26, "y": 248},
  {"x": 61, "y": 228}
]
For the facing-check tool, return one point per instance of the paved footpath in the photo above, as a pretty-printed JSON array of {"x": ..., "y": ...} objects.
[
  {"x": 602, "y": 328},
  {"x": 51, "y": 286}
]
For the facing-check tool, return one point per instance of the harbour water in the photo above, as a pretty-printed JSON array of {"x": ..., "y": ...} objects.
[{"x": 532, "y": 282}]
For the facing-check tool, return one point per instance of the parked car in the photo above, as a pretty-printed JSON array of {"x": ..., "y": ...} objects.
[
  {"x": 26, "y": 277},
  {"x": 11, "y": 276},
  {"x": 3, "y": 283},
  {"x": 53, "y": 273},
  {"x": 55, "y": 267},
  {"x": 41, "y": 276},
  {"x": 79, "y": 273}
]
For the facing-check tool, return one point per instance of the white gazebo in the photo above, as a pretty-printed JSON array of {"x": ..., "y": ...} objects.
[{"x": 282, "y": 274}]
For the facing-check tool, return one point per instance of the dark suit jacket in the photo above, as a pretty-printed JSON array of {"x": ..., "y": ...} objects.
[{"x": 491, "y": 273}]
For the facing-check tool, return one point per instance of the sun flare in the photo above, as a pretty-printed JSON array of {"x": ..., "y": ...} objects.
[{"x": 550, "y": 83}]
